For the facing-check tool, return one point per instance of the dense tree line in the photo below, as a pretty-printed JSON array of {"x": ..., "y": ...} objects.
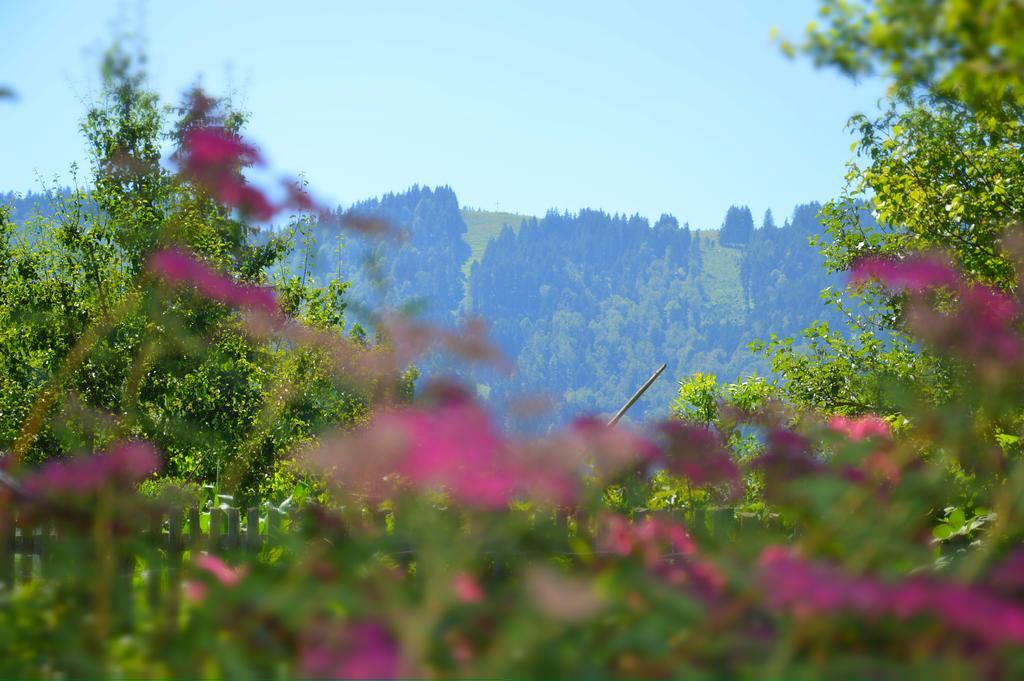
[{"x": 586, "y": 304}]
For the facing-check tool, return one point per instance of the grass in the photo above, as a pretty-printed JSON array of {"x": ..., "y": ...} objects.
[
  {"x": 482, "y": 225},
  {"x": 720, "y": 276}
]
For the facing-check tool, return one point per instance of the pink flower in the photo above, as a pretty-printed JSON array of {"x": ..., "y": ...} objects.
[
  {"x": 697, "y": 453},
  {"x": 982, "y": 326},
  {"x": 213, "y": 146},
  {"x": 561, "y": 597},
  {"x": 453, "y": 447},
  {"x": 916, "y": 273},
  {"x": 195, "y": 592},
  {"x": 618, "y": 536},
  {"x": 981, "y": 329},
  {"x": 225, "y": 574},
  {"x": 371, "y": 225},
  {"x": 180, "y": 268},
  {"x": 211, "y": 157},
  {"x": 611, "y": 448},
  {"x": 860, "y": 428},
  {"x": 667, "y": 550},
  {"x": 362, "y": 650},
  {"x": 126, "y": 462},
  {"x": 456, "y": 448},
  {"x": 787, "y": 456},
  {"x": 467, "y": 589},
  {"x": 300, "y": 199},
  {"x": 412, "y": 338},
  {"x": 808, "y": 589},
  {"x": 232, "y": 190}
]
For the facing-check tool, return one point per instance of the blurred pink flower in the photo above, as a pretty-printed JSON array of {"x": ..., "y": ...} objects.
[
  {"x": 370, "y": 225},
  {"x": 879, "y": 463},
  {"x": 362, "y": 650},
  {"x": 787, "y": 456},
  {"x": 916, "y": 273},
  {"x": 467, "y": 589},
  {"x": 562, "y": 597},
  {"x": 452, "y": 447},
  {"x": 697, "y": 454},
  {"x": 412, "y": 338},
  {"x": 224, "y": 573},
  {"x": 618, "y": 535},
  {"x": 126, "y": 462},
  {"x": 299, "y": 198},
  {"x": 178, "y": 267},
  {"x": 195, "y": 592},
  {"x": 861, "y": 427},
  {"x": 1008, "y": 575},
  {"x": 212, "y": 157},
  {"x": 667, "y": 550},
  {"x": 456, "y": 448},
  {"x": 232, "y": 190},
  {"x": 612, "y": 449},
  {"x": 213, "y": 146},
  {"x": 981, "y": 328},
  {"x": 807, "y": 589}
]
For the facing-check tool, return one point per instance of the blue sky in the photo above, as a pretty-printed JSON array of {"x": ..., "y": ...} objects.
[{"x": 635, "y": 107}]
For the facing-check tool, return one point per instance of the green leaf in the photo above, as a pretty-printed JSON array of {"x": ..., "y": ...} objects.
[{"x": 942, "y": 532}]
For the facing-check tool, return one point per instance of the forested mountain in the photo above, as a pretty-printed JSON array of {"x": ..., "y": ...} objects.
[
  {"x": 589, "y": 304},
  {"x": 424, "y": 269},
  {"x": 586, "y": 304}
]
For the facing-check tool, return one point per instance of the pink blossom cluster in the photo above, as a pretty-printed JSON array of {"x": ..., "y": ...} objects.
[
  {"x": 667, "y": 551},
  {"x": 454, "y": 446},
  {"x": 124, "y": 463},
  {"x": 861, "y": 428},
  {"x": 807, "y": 589},
  {"x": 180, "y": 268},
  {"x": 412, "y": 338},
  {"x": 359, "y": 650},
  {"x": 698, "y": 454},
  {"x": 213, "y": 157},
  {"x": 787, "y": 456},
  {"x": 920, "y": 273},
  {"x": 879, "y": 462},
  {"x": 981, "y": 329},
  {"x": 982, "y": 326}
]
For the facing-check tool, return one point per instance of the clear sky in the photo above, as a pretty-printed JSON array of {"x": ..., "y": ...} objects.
[{"x": 636, "y": 107}]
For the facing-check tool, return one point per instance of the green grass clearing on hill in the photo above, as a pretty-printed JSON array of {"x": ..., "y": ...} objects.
[{"x": 482, "y": 225}]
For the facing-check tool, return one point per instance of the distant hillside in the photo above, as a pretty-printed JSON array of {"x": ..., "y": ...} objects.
[{"x": 586, "y": 304}]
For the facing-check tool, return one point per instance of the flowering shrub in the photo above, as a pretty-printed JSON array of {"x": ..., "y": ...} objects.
[
  {"x": 447, "y": 548},
  {"x": 750, "y": 539}
]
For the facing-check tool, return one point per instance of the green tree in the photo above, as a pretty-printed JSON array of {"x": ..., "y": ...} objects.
[
  {"x": 93, "y": 349},
  {"x": 938, "y": 169}
]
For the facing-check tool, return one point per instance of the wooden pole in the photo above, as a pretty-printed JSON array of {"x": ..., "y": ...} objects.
[{"x": 636, "y": 395}]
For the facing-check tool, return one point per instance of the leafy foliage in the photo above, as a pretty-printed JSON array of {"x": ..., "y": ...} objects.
[
  {"x": 769, "y": 530},
  {"x": 93, "y": 349}
]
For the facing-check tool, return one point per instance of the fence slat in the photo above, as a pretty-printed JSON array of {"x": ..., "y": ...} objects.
[
  {"x": 234, "y": 530},
  {"x": 215, "y": 528},
  {"x": 123, "y": 596},
  {"x": 154, "y": 567},
  {"x": 252, "y": 529},
  {"x": 175, "y": 548},
  {"x": 43, "y": 548},
  {"x": 195, "y": 530},
  {"x": 7, "y": 547},
  {"x": 28, "y": 550}
]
